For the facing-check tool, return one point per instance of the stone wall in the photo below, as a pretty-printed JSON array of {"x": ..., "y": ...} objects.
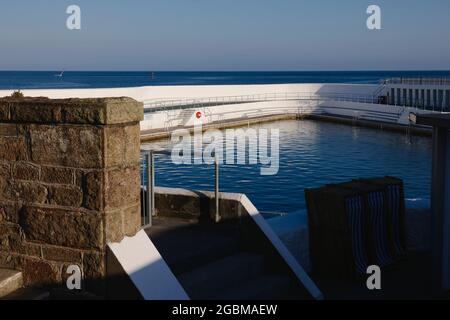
[{"x": 69, "y": 183}]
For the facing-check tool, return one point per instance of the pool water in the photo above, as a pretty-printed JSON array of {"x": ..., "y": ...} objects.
[{"x": 312, "y": 153}]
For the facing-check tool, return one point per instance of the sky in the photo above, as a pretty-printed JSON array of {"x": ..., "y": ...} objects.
[{"x": 224, "y": 35}]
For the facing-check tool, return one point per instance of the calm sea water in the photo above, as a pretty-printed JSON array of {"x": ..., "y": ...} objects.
[
  {"x": 312, "y": 153},
  {"x": 49, "y": 79}
]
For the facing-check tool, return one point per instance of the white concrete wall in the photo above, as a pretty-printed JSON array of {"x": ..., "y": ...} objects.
[
  {"x": 186, "y": 117},
  {"x": 373, "y": 112},
  {"x": 179, "y": 92},
  {"x": 146, "y": 268},
  {"x": 172, "y": 118}
]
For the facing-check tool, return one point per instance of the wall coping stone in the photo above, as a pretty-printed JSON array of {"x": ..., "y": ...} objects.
[{"x": 92, "y": 111}]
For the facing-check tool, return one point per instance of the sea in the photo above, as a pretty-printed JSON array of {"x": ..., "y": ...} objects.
[{"x": 17, "y": 80}]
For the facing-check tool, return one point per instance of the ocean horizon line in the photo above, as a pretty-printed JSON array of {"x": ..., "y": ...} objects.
[
  {"x": 236, "y": 71},
  {"x": 64, "y": 79}
]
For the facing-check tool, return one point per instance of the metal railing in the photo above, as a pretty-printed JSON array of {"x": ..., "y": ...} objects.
[
  {"x": 419, "y": 81},
  {"x": 148, "y": 186},
  {"x": 311, "y": 100},
  {"x": 379, "y": 90},
  {"x": 157, "y": 105},
  {"x": 422, "y": 104}
]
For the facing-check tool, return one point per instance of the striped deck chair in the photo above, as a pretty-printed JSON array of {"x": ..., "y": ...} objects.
[
  {"x": 378, "y": 223},
  {"x": 355, "y": 212},
  {"x": 394, "y": 197}
]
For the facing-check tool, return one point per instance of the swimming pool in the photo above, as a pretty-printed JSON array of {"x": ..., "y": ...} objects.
[{"x": 312, "y": 153}]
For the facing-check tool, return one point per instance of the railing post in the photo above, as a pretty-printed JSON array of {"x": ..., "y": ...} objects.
[
  {"x": 216, "y": 189},
  {"x": 148, "y": 202},
  {"x": 152, "y": 185}
]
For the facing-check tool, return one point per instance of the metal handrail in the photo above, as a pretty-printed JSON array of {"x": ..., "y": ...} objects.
[
  {"x": 170, "y": 105},
  {"x": 161, "y": 105},
  {"x": 419, "y": 81},
  {"x": 259, "y": 96},
  {"x": 149, "y": 207}
]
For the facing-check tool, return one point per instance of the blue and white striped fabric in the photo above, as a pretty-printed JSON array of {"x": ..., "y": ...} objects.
[
  {"x": 355, "y": 217},
  {"x": 394, "y": 201},
  {"x": 378, "y": 222}
]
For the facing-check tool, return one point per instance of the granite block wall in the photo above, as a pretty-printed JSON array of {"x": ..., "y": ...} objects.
[{"x": 69, "y": 183}]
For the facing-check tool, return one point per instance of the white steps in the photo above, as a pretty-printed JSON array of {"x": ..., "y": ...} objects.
[{"x": 10, "y": 281}]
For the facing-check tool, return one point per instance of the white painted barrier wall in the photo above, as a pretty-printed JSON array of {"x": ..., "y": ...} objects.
[
  {"x": 155, "y": 93},
  {"x": 282, "y": 249},
  {"x": 163, "y": 120},
  {"x": 186, "y": 117},
  {"x": 146, "y": 268}
]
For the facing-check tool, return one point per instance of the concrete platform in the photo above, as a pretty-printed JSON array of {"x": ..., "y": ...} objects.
[
  {"x": 157, "y": 134},
  {"x": 150, "y": 135},
  {"x": 214, "y": 262}
]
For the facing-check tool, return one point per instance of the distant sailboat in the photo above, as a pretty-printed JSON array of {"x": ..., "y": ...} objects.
[
  {"x": 60, "y": 75},
  {"x": 153, "y": 76}
]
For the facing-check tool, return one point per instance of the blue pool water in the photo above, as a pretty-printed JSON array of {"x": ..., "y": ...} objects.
[
  {"x": 48, "y": 79},
  {"x": 312, "y": 153}
]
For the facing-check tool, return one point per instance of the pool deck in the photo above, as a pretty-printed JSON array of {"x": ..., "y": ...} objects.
[
  {"x": 416, "y": 130},
  {"x": 149, "y": 135}
]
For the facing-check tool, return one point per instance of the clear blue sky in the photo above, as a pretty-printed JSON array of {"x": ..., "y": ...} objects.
[{"x": 225, "y": 35}]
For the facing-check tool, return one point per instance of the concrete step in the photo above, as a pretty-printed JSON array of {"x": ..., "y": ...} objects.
[
  {"x": 378, "y": 114},
  {"x": 186, "y": 246},
  {"x": 265, "y": 287},
  {"x": 205, "y": 281},
  {"x": 10, "y": 281},
  {"x": 379, "y": 118},
  {"x": 27, "y": 294}
]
